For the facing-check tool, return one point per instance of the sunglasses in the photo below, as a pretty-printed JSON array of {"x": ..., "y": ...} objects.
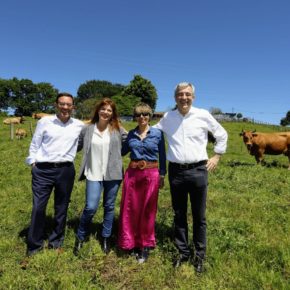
[{"x": 141, "y": 114}]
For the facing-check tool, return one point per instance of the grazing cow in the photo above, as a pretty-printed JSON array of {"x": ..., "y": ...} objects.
[
  {"x": 38, "y": 116},
  {"x": 14, "y": 120},
  {"x": 20, "y": 133},
  {"x": 259, "y": 144}
]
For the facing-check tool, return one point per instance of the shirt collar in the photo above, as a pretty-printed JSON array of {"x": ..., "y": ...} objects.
[
  {"x": 190, "y": 112},
  {"x": 55, "y": 118},
  {"x": 136, "y": 130}
]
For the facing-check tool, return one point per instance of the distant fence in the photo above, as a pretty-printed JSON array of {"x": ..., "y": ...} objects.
[{"x": 253, "y": 121}]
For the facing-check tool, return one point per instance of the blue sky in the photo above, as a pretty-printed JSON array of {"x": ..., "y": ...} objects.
[{"x": 235, "y": 52}]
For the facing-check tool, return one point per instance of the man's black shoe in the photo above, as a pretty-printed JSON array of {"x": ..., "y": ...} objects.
[
  {"x": 78, "y": 245},
  {"x": 180, "y": 260},
  {"x": 198, "y": 265}
]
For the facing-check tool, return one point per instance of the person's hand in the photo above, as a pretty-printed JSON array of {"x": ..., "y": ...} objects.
[
  {"x": 161, "y": 181},
  {"x": 213, "y": 162}
]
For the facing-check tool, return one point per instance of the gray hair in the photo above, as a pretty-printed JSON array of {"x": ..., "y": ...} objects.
[{"x": 182, "y": 86}]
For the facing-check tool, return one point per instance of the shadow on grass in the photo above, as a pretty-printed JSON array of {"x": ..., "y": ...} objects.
[
  {"x": 49, "y": 225},
  {"x": 164, "y": 241},
  {"x": 164, "y": 236},
  {"x": 273, "y": 164},
  {"x": 235, "y": 163}
]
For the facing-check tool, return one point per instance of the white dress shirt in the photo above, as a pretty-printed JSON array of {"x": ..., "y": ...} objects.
[
  {"x": 54, "y": 141},
  {"x": 187, "y": 135},
  {"x": 96, "y": 166}
]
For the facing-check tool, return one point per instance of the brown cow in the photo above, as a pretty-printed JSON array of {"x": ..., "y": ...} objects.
[
  {"x": 38, "y": 116},
  {"x": 259, "y": 144},
  {"x": 20, "y": 133},
  {"x": 14, "y": 120}
]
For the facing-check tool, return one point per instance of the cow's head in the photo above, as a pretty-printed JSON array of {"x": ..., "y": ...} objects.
[
  {"x": 22, "y": 119},
  {"x": 248, "y": 138}
]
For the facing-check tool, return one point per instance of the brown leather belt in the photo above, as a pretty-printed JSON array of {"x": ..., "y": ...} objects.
[{"x": 142, "y": 164}]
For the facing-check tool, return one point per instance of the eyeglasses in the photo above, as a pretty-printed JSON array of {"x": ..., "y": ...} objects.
[
  {"x": 137, "y": 115},
  {"x": 65, "y": 104}
]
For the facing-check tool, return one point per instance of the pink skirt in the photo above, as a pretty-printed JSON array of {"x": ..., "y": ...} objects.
[{"x": 138, "y": 208}]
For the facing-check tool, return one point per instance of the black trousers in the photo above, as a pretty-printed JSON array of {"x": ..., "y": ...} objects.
[
  {"x": 190, "y": 181},
  {"x": 45, "y": 177}
]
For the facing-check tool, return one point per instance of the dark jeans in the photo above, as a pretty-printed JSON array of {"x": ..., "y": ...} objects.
[
  {"x": 192, "y": 181},
  {"x": 44, "y": 179}
]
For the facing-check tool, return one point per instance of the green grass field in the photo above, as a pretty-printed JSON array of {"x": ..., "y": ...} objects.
[{"x": 248, "y": 229}]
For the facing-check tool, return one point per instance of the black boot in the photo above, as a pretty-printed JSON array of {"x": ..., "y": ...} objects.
[
  {"x": 106, "y": 246},
  {"x": 78, "y": 245},
  {"x": 142, "y": 258},
  {"x": 135, "y": 252}
]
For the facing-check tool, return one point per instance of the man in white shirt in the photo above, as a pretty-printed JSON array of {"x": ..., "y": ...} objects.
[
  {"x": 186, "y": 129},
  {"x": 51, "y": 155}
]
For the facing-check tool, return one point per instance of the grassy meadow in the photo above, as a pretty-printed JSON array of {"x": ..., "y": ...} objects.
[{"x": 248, "y": 229}]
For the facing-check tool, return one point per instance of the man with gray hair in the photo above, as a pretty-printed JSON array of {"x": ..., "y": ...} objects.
[{"x": 186, "y": 129}]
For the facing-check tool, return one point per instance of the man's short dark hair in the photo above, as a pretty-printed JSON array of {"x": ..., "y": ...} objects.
[{"x": 64, "y": 94}]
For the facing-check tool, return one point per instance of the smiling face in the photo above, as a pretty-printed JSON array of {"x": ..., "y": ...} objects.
[
  {"x": 142, "y": 119},
  {"x": 105, "y": 114},
  {"x": 184, "y": 98},
  {"x": 64, "y": 106}
]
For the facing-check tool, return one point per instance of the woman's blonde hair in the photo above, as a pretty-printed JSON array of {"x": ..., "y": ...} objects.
[{"x": 143, "y": 108}]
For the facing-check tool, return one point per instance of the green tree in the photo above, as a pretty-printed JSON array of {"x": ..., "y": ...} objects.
[
  {"x": 25, "y": 97},
  {"x": 142, "y": 89},
  {"x": 239, "y": 116},
  {"x": 286, "y": 120},
  {"x": 125, "y": 104},
  {"x": 45, "y": 97},
  {"x": 85, "y": 109},
  {"x": 5, "y": 93},
  {"x": 98, "y": 89}
]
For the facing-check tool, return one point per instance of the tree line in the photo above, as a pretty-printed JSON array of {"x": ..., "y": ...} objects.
[{"x": 25, "y": 97}]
